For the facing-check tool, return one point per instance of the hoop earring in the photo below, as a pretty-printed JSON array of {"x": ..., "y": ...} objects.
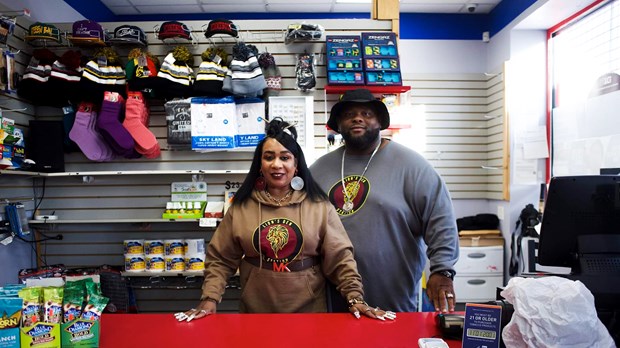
[
  {"x": 297, "y": 183},
  {"x": 259, "y": 183}
]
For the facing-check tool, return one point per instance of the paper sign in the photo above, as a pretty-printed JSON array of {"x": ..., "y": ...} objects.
[{"x": 482, "y": 326}]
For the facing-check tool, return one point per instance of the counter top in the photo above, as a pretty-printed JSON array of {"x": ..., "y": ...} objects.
[{"x": 267, "y": 330}]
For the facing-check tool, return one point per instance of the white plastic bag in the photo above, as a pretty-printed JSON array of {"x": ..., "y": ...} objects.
[{"x": 553, "y": 312}]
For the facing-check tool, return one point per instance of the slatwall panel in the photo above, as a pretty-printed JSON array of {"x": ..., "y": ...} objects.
[
  {"x": 17, "y": 188},
  {"x": 464, "y": 130},
  {"x": 459, "y": 145}
]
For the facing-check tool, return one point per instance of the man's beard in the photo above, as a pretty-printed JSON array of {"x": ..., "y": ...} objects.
[{"x": 363, "y": 141}]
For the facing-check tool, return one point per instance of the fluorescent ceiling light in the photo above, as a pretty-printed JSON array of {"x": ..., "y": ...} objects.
[{"x": 353, "y": 1}]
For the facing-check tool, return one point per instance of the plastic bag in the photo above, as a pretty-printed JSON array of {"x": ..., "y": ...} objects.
[
  {"x": 304, "y": 72},
  {"x": 553, "y": 312}
]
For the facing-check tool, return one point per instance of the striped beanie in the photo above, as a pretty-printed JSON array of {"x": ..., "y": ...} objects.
[
  {"x": 211, "y": 73},
  {"x": 65, "y": 78},
  {"x": 103, "y": 73},
  {"x": 245, "y": 77},
  {"x": 33, "y": 85},
  {"x": 176, "y": 76}
]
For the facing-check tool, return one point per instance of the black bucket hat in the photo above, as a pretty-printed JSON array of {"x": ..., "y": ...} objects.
[{"x": 360, "y": 95}]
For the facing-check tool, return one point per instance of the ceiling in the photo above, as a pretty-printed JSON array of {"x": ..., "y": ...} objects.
[
  {"x": 59, "y": 11},
  {"x": 137, "y": 7}
]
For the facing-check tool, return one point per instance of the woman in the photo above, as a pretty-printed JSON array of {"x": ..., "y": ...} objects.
[{"x": 285, "y": 238}]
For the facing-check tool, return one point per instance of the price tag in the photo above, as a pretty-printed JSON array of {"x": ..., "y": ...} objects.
[
  {"x": 482, "y": 326},
  {"x": 207, "y": 222}
]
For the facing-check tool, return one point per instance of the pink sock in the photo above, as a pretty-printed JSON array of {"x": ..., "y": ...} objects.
[{"x": 136, "y": 125}]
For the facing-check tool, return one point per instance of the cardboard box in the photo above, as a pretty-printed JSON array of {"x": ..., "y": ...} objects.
[
  {"x": 379, "y": 45},
  {"x": 40, "y": 335},
  {"x": 381, "y": 64},
  {"x": 344, "y": 60},
  {"x": 80, "y": 333},
  {"x": 345, "y": 78},
  {"x": 383, "y": 78}
]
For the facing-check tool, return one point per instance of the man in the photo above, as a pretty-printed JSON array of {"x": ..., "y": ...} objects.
[{"x": 393, "y": 205}]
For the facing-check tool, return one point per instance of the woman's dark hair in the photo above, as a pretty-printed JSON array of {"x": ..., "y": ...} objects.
[{"x": 285, "y": 134}]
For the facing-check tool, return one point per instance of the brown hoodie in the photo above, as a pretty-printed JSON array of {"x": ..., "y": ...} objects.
[{"x": 299, "y": 229}]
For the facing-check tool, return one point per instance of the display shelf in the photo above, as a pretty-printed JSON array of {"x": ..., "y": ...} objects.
[
  {"x": 106, "y": 221},
  {"x": 329, "y": 89},
  {"x": 122, "y": 172},
  {"x": 163, "y": 274}
]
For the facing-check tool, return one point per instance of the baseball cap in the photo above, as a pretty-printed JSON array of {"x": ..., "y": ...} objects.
[
  {"x": 44, "y": 31},
  {"x": 128, "y": 34},
  {"x": 360, "y": 95},
  {"x": 172, "y": 29},
  {"x": 221, "y": 26},
  {"x": 88, "y": 32}
]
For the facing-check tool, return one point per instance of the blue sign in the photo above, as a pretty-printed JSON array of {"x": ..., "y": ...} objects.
[{"x": 482, "y": 326}]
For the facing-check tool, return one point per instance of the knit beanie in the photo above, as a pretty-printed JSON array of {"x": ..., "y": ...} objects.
[
  {"x": 175, "y": 78},
  {"x": 65, "y": 78},
  {"x": 211, "y": 73},
  {"x": 33, "y": 85},
  {"x": 245, "y": 77},
  {"x": 103, "y": 73},
  {"x": 141, "y": 71},
  {"x": 271, "y": 72}
]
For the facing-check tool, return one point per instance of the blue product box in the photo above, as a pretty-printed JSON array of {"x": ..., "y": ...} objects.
[
  {"x": 383, "y": 78},
  {"x": 344, "y": 53},
  {"x": 379, "y": 45},
  {"x": 345, "y": 78},
  {"x": 381, "y": 64}
]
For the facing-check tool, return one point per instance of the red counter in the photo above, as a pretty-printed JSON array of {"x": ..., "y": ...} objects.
[{"x": 267, "y": 330}]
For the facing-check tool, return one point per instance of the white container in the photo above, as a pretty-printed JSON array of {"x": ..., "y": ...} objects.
[
  {"x": 135, "y": 262},
  {"x": 175, "y": 263},
  {"x": 133, "y": 246},
  {"x": 155, "y": 263},
  {"x": 174, "y": 247},
  {"x": 194, "y": 246},
  {"x": 195, "y": 262},
  {"x": 154, "y": 247}
]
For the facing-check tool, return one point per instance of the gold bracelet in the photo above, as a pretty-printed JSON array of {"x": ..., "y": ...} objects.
[{"x": 355, "y": 301}]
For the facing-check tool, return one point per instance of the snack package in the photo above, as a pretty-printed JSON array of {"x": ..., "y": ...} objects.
[
  {"x": 94, "y": 308},
  {"x": 31, "y": 309},
  {"x": 72, "y": 302},
  {"x": 52, "y": 304},
  {"x": 10, "y": 317}
]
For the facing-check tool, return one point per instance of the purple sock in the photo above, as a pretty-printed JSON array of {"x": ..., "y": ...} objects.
[
  {"x": 84, "y": 135},
  {"x": 110, "y": 127}
]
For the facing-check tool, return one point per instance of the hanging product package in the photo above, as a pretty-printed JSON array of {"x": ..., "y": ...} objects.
[
  {"x": 213, "y": 123},
  {"x": 178, "y": 119},
  {"x": 553, "y": 312},
  {"x": 304, "y": 72},
  {"x": 250, "y": 121}
]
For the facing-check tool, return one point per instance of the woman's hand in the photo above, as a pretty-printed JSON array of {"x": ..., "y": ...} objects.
[
  {"x": 367, "y": 310},
  {"x": 205, "y": 307}
]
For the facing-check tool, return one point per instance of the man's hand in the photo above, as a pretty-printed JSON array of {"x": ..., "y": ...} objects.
[{"x": 441, "y": 292}]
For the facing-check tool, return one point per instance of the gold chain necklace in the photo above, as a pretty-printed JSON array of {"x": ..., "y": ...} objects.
[
  {"x": 348, "y": 201},
  {"x": 279, "y": 200}
]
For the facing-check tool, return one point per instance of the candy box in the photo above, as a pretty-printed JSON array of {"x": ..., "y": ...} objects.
[
  {"x": 379, "y": 45},
  {"x": 344, "y": 53},
  {"x": 341, "y": 46},
  {"x": 383, "y": 78}
]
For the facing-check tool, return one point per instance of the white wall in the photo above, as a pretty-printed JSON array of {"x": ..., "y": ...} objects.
[{"x": 443, "y": 56}]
